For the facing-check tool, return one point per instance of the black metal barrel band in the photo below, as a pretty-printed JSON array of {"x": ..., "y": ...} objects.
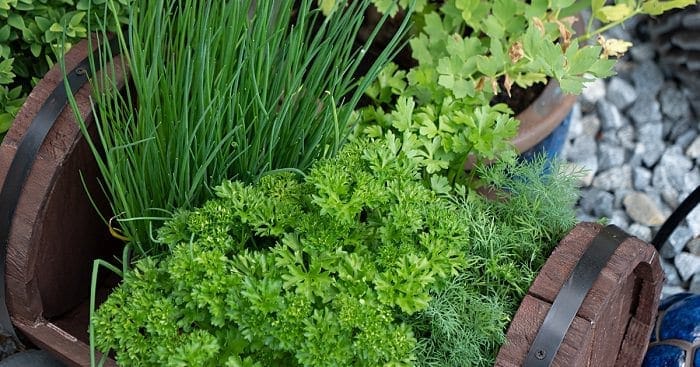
[
  {"x": 570, "y": 297},
  {"x": 23, "y": 161}
]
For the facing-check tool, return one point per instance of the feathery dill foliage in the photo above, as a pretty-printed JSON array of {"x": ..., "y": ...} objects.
[
  {"x": 222, "y": 89},
  {"x": 509, "y": 240},
  {"x": 356, "y": 264}
]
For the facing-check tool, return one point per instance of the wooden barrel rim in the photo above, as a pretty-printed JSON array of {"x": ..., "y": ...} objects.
[
  {"x": 55, "y": 233},
  {"x": 617, "y": 315}
]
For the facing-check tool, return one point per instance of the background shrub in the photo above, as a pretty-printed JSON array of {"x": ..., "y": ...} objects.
[{"x": 32, "y": 34}]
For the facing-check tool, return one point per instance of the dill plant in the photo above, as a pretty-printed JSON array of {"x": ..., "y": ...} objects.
[{"x": 221, "y": 89}]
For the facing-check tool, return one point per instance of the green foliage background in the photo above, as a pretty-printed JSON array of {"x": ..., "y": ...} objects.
[{"x": 32, "y": 34}]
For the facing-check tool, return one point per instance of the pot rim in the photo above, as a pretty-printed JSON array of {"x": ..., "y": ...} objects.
[{"x": 542, "y": 116}]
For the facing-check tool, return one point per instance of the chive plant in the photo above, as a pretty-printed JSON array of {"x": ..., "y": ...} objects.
[{"x": 222, "y": 89}]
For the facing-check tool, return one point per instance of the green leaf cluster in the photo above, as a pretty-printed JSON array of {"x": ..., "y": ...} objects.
[
  {"x": 356, "y": 264},
  {"x": 32, "y": 34},
  {"x": 469, "y": 51},
  {"x": 11, "y": 101},
  {"x": 441, "y": 138}
]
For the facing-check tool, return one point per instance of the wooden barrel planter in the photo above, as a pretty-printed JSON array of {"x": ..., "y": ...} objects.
[{"x": 56, "y": 234}]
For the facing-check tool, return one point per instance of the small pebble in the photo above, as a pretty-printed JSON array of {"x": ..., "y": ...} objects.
[
  {"x": 645, "y": 109},
  {"x": 590, "y": 125},
  {"x": 598, "y": 202},
  {"x": 684, "y": 140},
  {"x": 620, "y": 93},
  {"x": 693, "y": 220},
  {"x": 643, "y": 52},
  {"x": 687, "y": 265},
  {"x": 593, "y": 92},
  {"x": 610, "y": 117},
  {"x": 647, "y": 78},
  {"x": 641, "y": 178},
  {"x": 669, "y": 290},
  {"x": 694, "y": 246},
  {"x": 693, "y": 150},
  {"x": 649, "y": 153},
  {"x": 641, "y": 208},
  {"x": 640, "y": 231},
  {"x": 626, "y": 136},
  {"x": 676, "y": 242},
  {"x": 695, "y": 284},
  {"x": 672, "y": 277},
  {"x": 614, "y": 178},
  {"x": 610, "y": 155},
  {"x": 673, "y": 103},
  {"x": 650, "y": 132}
]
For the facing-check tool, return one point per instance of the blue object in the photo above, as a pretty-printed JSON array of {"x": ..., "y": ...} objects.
[
  {"x": 675, "y": 340},
  {"x": 553, "y": 144},
  {"x": 33, "y": 358}
]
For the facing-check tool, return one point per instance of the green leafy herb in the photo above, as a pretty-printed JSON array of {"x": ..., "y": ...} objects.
[
  {"x": 356, "y": 264},
  {"x": 223, "y": 89},
  {"x": 467, "y": 52}
]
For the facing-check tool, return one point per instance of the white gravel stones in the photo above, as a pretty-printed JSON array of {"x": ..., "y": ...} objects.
[
  {"x": 597, "y": 202},
  {"x": 639, "y": 133},
  {"x": 649, "y": 153},
  {"x": 650, "y": 132},
  {"x": 676, "y": 242},
  {"x": 685, "y": 139},
  {"x": 695, "y": 284},
  {"x": 643, "y": 51},
  {"x": 590, "y": 125},
  {"x": 693, "y": 220},
  {"x": 672, "y": 276},
  {"x": 673, "y": 103},
  {"x": 669, "y": 290},
  {"x": 641, "y": 178}
]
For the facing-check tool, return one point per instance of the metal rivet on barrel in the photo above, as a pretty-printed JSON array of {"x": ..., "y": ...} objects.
[{"x": 540, "y": 354}]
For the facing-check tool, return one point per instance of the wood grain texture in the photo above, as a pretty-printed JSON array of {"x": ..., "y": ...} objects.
[
  {"x": 613, "y": 325},
  {"x": 56, "y": 232}
]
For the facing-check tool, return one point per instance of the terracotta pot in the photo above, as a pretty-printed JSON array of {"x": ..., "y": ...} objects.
[
  {"x": 56, "y": 235},
  {"x": 544, "y": 115}
]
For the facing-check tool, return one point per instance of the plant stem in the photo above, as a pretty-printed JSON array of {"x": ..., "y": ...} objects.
[{"x": 591, "y": 33}]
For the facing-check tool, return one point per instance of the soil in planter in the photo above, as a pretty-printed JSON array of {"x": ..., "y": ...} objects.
[{"x": 520, "y": 98}]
